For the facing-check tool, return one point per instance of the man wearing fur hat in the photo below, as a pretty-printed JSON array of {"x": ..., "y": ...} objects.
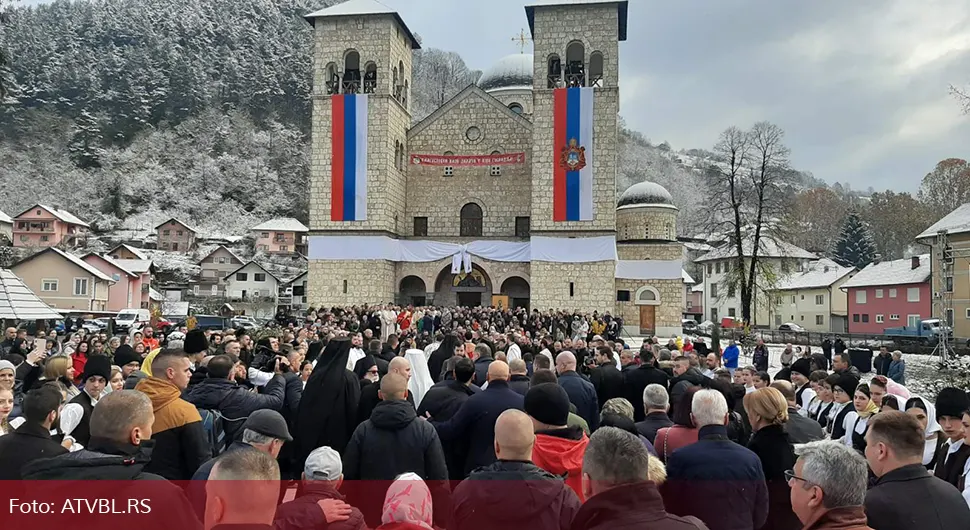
[
  {"x": 953, "y": 457},
  {"x": 97, "y": 372}
]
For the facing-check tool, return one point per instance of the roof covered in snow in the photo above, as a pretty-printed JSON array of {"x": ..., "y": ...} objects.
[
  {"x": 896, "y": 272},
  {"x": 232, "y": 275},
  {"x": 645, "y": 193},
  {"x": 622, "y": 5},
  {"x": 4, "y": 218},
  {"x": 18, "y": 302},
  {"x": 190, "y": 227},
  {"x": 821, "y": 273},
  {"x": 282, "y": 224},
  {"x": 687, "y": 279},
  {"x": 771, "y": 248},
  {"x": 955, "y": 222},
  {"x": 136, "y": 251},
  {"x": 511, "y": 71},
  {"x": 63, "y": 215},
  {"x": 138, "y": 266},
  {"x": 356, "y": 8}
]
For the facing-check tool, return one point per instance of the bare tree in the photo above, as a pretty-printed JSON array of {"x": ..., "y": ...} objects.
[
  {"x": 947, "y": 186},
  {"x": 963, "y": 96}
]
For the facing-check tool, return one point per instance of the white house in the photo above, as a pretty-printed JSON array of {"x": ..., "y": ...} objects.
[
  {"x": 813, "y": 298},
  {"x": 293, "y": 293},
  {"x": 6, "y": 228},
  {"x": 252, "y": 282}
]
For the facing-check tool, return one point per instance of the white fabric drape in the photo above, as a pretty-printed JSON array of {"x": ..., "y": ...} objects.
[
  {"x": 573, "y": 250},
  {"x": 650, "y": 269}
]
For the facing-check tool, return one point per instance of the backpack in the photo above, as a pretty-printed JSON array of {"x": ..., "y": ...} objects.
[{"x": 215, "y": 433}]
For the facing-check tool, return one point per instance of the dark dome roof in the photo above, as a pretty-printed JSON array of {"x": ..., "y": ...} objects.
[
  {"x": 645, "y": 193},
  {"x": 511, "y": 71}
]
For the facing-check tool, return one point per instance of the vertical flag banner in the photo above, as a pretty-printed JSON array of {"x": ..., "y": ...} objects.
[
  {"x": 348, "y": 184},
  {"x": 572, "y": 177}
]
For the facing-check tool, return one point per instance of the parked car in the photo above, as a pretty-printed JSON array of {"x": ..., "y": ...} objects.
[
  {"x": 705, "y": 328},
  {"x": 792, "y": 327},
  {"x": 688, "y": 325},
  {"x": 209, "y": 322},
  {"x": 245, "y": 322},
  {"x": 96, "y": 326},
  {"x": 131, "y": 317}
]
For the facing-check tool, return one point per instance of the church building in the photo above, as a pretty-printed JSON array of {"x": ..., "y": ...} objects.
[{"x": 504, "y": 196}]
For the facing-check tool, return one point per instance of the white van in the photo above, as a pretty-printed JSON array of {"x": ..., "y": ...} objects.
[{"x": 131, "y": 317}]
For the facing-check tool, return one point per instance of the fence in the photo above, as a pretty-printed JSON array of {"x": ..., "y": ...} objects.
[{"x": 814, "y": 339}]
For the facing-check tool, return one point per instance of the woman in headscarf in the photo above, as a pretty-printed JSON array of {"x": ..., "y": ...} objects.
[
  {"x": 925, "y": 414},
  {"x": 328, "y": 408},
  {"x": 857, "y": 421},
  {"x": 446, "y": 350},
  {"x": 420, "y": 381},
  {"x": 407, "y": 505}
]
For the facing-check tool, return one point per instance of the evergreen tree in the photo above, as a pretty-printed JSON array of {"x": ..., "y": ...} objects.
[
  {"x": 855, "y": 247},
  {"x": 85, "y": 146}
]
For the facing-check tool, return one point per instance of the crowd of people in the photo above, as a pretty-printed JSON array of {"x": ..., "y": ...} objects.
[{"x": 387, "y": 417}]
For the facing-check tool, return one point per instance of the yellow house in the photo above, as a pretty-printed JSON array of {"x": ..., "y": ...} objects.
[
  {"x": 813, "y": 298},
  {"x": 952, "y": 285}
]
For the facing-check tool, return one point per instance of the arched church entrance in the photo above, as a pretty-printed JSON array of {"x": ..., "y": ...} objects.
[
  {"x": 517, "y": 291},
  {"x": 413, "y": 291},
  {"x": 471, "y": 289}
]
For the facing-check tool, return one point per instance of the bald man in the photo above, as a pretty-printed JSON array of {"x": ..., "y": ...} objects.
[
  {"x": 510, "y": 479},
  {"x": 581, "y": 392},
  {"x": 369, "y": 397},
  {"x": 474, "y": 424},
  {"x": 392, "y": 442},
  {"x": 224, "y": 505},
  {"x": 519, "y": 381}
]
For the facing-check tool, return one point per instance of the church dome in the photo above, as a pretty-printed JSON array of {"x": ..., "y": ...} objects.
[
  {"x": 511, "y": 71},
  {"x": 645, "y": 193}
]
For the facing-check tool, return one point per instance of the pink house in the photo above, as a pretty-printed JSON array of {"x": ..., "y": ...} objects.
[
  {"x": 890, "y": 294},
  {"x": 45, "y": 226},
  {"x": 132, "y": 286},
  {"x": 281, "y": 235}
]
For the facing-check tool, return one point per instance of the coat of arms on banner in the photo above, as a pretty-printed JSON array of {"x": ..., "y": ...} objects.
[{"x": 573, "y": 156}]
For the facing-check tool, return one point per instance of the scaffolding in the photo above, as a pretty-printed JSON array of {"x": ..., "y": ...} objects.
[{"x": 943, "y": 295}]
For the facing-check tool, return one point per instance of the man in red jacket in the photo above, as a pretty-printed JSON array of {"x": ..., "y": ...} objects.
[{"x": 559, "y": 447}]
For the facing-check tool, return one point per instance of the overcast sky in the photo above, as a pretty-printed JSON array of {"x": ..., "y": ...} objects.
[{"x": 860, "y": 87}]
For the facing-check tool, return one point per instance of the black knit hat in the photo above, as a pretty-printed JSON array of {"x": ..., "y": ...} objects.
[
  {"x": 97, "y": 365},
  {"x": 802, "y": 366},
  {"x": 125, "y": 354},
  {"x": 548, "y": 403},
  {"x": 951, "y": 402},
  {"x": 848, "y": 382},
  {"x": 195, "y": 342}
]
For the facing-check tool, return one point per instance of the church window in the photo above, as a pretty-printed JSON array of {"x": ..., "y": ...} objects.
[
  {"x": 399, "y": 86},
  {"x": 516, "y": 108},
  {"x": 407, "y": 87},
  {"x": 495, "y": 171},
  {"x": 397, "y": 154},
  {"x": 420, "y": 226},
  {"x": 449, "y": 170},
  {"x": 554, "y": 72},
  {"x": 352, "y": 77},
  {"x": 522, "y": 228},
  {"x": 332, "y": 80},
  {"x": 575, "y": 65},
  {"x": 596, "y": 69},
  {"x": 370, "y": 78},
  {"x": 471, "y": 220},
  {"x": 394, "y": 82},
  {"x": 473, "y": 134}
]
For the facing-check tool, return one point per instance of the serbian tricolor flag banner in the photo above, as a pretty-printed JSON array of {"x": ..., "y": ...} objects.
[
  {"x": 348, "y": 185},
  {"x": 572, "y": 192}
]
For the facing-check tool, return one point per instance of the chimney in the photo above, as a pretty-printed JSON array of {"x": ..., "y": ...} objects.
[
  {"x": 915, "y": 264},
  {"x": 826, "y": 268}
]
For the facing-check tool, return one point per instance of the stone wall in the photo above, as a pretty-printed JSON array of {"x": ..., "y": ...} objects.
[
  {"x": 650, "y": 251},
  {"x": 646, "y": 222},
  {"x": 668, "y": 314},
  {"x": 592, "y": 286},
  {"x": 440, "y": 198},
  {"x": 367, "y": 282},
  {"x": 497, "y": 273}
]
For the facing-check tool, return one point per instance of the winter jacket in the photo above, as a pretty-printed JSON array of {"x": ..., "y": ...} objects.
[
  {"x": 760, "y": 358},
  {"x": 393, "y": 441},
  {"x": 582, "y": 393},
  {"x": 481, "y": 370},
  {"x": 520, "y": 383},
  {"x": 680, "y": 384},
  {"x": 82, "y": 433},
  {"x": 474, "y": 424},
  {"x": 652, "y": 423},
  {"x": 801, "y": 429},
  {"x": 636, "y": 380},
  {"x": 608, "y": 382},
  {"x": 631, "y": 506},
  {"x": 234, "y": 402},
  {"x": 730, "y": 356},
  {"x": 181, "y": 444},
  {"x": 881, "y": 363},
  {"x": 847, "y": 518},
  {"x": 897, "y": 371},
  {"x": 369, "y": 399},
  {"x": 909, "y": 497},
  {"x": 442, "y": 402},
  {"x": 560, "y": 452},
  {"x": 303, "y": 512},
  {"x": 27, "y": 443},
  {"x": 513, "y": 494},
  {"x": 774, "y": 449},
  {"x": 717, "y": 481}
]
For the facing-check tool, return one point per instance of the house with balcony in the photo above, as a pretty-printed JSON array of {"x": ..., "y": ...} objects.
[
  {"x": 65, "y": 281},
  {"x": 216, "y": 266},
  {"x": 46, "y": 226},
  {"x": 253, "y": 289},
  {"x": 6, "y": 229},
  {"x": 281, "y": 236},
  {"x": 951, "y": 278},
  {"x": 890, "y": 294},
  {"x": 132, "y": 281},
  {"x": 813, "y": 298},
  {"x": 176, "y": 236},
  {"x": 126, "y": 251},
  {"x": 721, "y": 296},
  {"x": 293, "y": 294}
]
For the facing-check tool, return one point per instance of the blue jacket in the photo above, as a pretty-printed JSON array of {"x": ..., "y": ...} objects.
[
  {"x": 730, "y": 356},
  {"x": 717, "y": 481},
  {"x": 897, "y": 371},
  {"x": 474, "y": 423},
  {"x": 582, "y": 393}
]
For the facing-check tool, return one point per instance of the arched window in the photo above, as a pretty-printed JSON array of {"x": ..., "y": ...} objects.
[
  {"x": 404, "y": 157},
  {"x": 495, "y": 171},
  {"x": 399, "y": 87},
  {"x": 407, "y": 87},
  {"x": 647, "y": 296},
  {"x": 471, "y": 220},
  {"x": 516, "y": 108},
  {"x": 397, "y": 154},
  {"x": 370, "y": 78},
  {"x": 596, "y": 69},
  {"x": 394, "y": 81},
  {"x": 352, "y": 77},
  {"x": 554, "y": 72},
  {"x": 575, "y": 64},
  {"x": 449, "y": 171},
  {"x": 332, "y": 79}
]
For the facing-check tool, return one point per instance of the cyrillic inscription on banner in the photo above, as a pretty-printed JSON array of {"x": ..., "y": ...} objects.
[{"x": 505, "y": 159}]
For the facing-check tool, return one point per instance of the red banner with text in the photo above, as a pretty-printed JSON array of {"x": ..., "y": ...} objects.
[{"x": 504, "y": 159}]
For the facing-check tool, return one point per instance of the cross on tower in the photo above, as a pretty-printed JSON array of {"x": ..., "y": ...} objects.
[{"x": 522, "y": 39}]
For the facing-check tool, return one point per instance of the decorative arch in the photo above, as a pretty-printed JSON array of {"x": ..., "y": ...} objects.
[
  {"x": 646, "y": 295},
  {"x": 518, "y": 290},
  {"x": 472, "y": 218},
  {"x": 370, "y": 78},
  {"x": 413, "y": 290},
  {"x": 596, "y": 68},
  {"x": 516, "y": 107},
  {"x": 332, "y": 79},
  {"x": 352, "y": 76},
  {"x": 495, "y": 171},
  {"x": 471, "y": 289},
  {"x": 576, "y": 64},
  {"x": 407, "y": 87},
  {"x": 397, "y": 154},
  {"x": 554, "y": 71}
]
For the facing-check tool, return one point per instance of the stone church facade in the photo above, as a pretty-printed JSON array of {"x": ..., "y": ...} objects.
[{"x": 362, "y": 47}]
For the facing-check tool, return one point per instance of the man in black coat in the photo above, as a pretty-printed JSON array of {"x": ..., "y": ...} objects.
[
  {"x": 97, "y": 372},
  {"x": 800, "y": 429},
  {"x": 483, "y": 358},
  {"x": 519, "y": 381},
  {"x": 882, "y": 361},
  {"x": 685, "y": 376},
  {"x": 369, "y": 394},
  {"x": 443, "y": 401},
  {"x": 606, "y": 379},
  {"x": 394, "y": 441},
  {"x": 905, "y": 495},
  {"x": 656, "y": 403},
  {"x": 513, "y": 492},
  {"x": 32, "y": 440},
  {"x": 637, "y": 380},
  {"x": 581, "y": 392}
]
